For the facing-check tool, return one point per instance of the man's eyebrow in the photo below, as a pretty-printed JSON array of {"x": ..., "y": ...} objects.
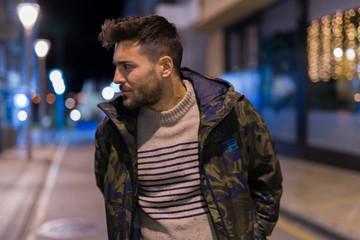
[{"x": 121, "y": 62}]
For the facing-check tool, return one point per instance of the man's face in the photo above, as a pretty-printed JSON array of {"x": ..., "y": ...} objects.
[{"x": 139, "y": 78}]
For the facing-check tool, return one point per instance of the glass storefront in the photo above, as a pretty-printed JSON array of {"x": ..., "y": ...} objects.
[{"x": 331, "y": 73}]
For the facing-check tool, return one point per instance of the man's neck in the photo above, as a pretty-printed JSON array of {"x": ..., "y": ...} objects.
[{"x": 174, "y": 91}]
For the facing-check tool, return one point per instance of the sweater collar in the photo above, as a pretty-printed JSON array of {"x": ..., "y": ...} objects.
[{"x": 174, "y": 114}]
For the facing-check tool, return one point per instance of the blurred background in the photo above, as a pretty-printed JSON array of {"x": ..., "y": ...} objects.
[{"x": 298, "y": 61}]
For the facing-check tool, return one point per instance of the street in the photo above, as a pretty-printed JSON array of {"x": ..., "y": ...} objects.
[{"x": 55, "y": 196}]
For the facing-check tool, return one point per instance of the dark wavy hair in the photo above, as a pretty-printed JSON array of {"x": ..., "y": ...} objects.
[{"x": 155, "y": 35}]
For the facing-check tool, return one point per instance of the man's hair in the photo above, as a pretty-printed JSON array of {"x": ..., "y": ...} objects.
[{"x": 155, "y": 35}]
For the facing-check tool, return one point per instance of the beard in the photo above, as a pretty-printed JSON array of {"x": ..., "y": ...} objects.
[{"x": 145, "y": 94}]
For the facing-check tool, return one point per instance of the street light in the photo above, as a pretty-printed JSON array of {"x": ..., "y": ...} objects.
[
  {"x": 28, "y": 13},
  {"x": 42, "y": 47}
]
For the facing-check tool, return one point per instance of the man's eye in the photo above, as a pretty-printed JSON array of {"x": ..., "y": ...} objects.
[{"x": 127, "y": 66}]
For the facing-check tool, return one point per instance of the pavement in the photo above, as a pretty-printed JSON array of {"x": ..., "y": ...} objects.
[
  {"x": 54, "y": 194},
  {"x": 322, "y": 197}
]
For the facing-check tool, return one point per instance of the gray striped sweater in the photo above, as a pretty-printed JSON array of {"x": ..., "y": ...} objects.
[{"x": 170, "y": 197}]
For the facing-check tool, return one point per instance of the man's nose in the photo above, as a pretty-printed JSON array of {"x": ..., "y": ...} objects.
[{"x": 119, "y": 78}]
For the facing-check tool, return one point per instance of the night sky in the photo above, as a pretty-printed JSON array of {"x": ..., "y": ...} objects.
[{"x": 73, "y": 28}]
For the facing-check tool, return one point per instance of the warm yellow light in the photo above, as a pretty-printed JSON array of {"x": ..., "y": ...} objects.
[
  {"x": 350, "y": 54},
  {"x": 50, "y": 98},
  {"x": 338, "y": 52},
  {"x": 333, "y": 47}
]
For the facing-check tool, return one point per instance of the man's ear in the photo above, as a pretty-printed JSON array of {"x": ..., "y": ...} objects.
[{"x": 167, "y": 66}]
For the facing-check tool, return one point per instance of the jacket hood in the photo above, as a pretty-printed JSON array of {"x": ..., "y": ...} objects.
[{"x": 206, "y": 91}]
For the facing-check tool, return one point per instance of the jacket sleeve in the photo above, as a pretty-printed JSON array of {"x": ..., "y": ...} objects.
[
  {"x": 101, "y": 155},
  {"x": 265, "y": 178}
]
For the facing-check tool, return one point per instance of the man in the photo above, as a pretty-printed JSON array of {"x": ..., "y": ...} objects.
[{"x": 181, "y": 155}]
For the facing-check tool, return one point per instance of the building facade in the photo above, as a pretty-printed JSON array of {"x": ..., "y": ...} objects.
[{"x": 298, "y": 62}]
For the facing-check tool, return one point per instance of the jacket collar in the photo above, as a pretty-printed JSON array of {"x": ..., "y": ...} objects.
[
  {"x": 206, "y": 91},
  {"x": 123, "y": 119},
  {"x": 215, "y": 96}
]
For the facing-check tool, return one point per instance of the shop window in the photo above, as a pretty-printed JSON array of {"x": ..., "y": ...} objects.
[
  {"x": 263, "y": 70},
  {"x": 278, "y": 62},
  {"x": 333, "y": 45},
  {"x": 278, "y": 88}
]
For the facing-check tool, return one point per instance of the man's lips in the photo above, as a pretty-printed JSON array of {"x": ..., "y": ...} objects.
[{"x": 125, "y": 90}]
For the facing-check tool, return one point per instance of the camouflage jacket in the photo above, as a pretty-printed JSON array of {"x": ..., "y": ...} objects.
[{"x": 239, "y": 167}]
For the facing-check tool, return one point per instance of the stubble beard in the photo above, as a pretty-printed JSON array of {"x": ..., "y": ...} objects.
[{"x": 144, "y": 95}]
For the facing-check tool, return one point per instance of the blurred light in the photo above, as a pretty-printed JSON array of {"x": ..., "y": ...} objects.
[
  {"x": 350, "y": 54},
  {"x": 107, "y": 93},
  {"x": 14, "y": 79},
  {"x": 80, "y": 98},
  {"x": 42, "y": 47},
  {"x": 338, "y": 52},
  {"x": 50, "y": 98},
  {"x": 28, "y": 13},
  {"x": 36, "y": 99},
  {"x": 357, "y": 68},
  {"x": 357, "y": 97},
  {"x": 21, "y": 100},
  {"x": 22, "y": 115},
  {"x": 59, "y": 87},
  {"x": 75, "y": 115},
  {"x": 115, "y": 87},
  {"x": 46, "y": 121},
  {"x": 55, "y": 75},
  {"x": 70, "y": 103}
]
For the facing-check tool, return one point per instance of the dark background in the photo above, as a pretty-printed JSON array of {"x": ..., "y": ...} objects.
[{"x": 73, "y": 28}]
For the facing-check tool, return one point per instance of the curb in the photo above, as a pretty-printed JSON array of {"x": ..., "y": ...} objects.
[{"x": 326, "y": 230}]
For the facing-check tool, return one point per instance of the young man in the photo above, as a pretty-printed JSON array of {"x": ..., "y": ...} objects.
[{"x": 181, "y": 155}]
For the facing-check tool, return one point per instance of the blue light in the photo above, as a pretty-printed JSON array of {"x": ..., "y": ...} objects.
[{"x": 21, "y": 100}]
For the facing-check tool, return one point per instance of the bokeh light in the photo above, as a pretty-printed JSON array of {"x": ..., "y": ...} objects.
[
  {"x": 21, "y": 100},
  {"x": 22, "y": 115},
  {"x": 357, "y": 97},
  {"x": 70, "y": 103},
  {"x": 36, "y": 99},
  {"x": 50, "y": 98},
  {"x": 108, "y": 93},
  {"x": 75, "y": 115}
]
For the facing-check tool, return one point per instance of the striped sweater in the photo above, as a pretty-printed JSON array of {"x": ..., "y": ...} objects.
[{"x": 170, "y": 197}]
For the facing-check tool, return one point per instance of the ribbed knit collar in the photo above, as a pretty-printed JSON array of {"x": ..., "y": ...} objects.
[{"x": 174, "y": 114}]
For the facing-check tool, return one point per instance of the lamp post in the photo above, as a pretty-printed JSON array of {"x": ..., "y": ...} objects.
[
  {"x": 28, "y": 13},
  {"x": 42, "y": 47}
]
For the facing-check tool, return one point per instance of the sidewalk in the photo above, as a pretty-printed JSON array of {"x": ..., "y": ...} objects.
[
  {"x": 20, "y": 182},
  {"x": 325, "y": 197}
]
